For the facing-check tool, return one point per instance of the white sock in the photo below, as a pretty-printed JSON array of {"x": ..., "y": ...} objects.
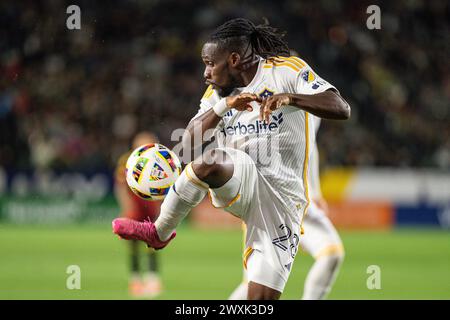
[
  {"x": 240, "y": 293},
  {"x": 321, "y": 277},
  {"x": 186, "y": 194}
]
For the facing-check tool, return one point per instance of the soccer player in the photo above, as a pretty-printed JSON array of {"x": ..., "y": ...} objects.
[
  {"x": 320, "y": 240},
  {"x": 258, "y": 104},
  {"x": 131, "y": 206}
]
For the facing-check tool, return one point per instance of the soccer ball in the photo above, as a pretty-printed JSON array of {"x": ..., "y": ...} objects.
[{"x": 151, "y": 170}]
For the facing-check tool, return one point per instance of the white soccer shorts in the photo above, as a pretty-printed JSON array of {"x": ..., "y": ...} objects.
[{"x": 273, "y": 231}]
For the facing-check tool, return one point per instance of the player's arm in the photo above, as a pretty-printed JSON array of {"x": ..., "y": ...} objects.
[
  {"x": 195, "y": 135},
  {"x": 327, "y": 104}
]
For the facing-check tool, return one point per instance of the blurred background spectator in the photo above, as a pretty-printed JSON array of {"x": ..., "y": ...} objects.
[{"x": 73, "y": 99}]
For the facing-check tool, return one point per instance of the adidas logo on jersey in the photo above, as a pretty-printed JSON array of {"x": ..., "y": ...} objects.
[
  {"x": 228, "y": 114},
  {"x": 256, "y": 127}
]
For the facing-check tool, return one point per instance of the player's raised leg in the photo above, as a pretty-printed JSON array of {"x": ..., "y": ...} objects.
[{"x": 214, "y": 170}]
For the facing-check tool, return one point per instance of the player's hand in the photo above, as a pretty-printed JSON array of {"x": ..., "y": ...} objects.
[
  {"x": 241, "y": 102},
  {"x": 271, "y": 104}
]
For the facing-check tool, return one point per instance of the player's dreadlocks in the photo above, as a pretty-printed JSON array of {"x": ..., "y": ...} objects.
[{"x": 241, "y": 34}]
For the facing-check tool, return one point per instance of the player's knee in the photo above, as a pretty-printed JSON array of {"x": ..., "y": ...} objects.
[
  {"x": 338, "y": 258},
  {"x": 334, "y": 260},
  {"x": 215, "y": 168},
  {"x": 210, "y": 164}
]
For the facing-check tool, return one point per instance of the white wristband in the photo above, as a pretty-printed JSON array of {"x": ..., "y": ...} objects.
[{"x": 221, "y": 107}]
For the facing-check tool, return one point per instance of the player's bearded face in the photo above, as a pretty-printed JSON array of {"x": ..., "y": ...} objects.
[
  {"x": 218, "y": 72},
  {"x": 230, "y": 81}
]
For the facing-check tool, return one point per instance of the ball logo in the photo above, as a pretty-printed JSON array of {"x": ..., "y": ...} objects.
[
  {"x": 157, "y": 173},
  {"x": 137, "y": 171}
]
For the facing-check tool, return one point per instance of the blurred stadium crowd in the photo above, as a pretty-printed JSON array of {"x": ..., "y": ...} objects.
[{"x": 72, "y": 99}]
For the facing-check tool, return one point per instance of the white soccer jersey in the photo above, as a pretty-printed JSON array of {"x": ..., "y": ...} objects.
[
  {"x": 282, "y": 148},
  {"x": 314, "y": 177}
]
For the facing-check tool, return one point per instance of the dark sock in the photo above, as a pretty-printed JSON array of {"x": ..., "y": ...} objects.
[
  {"x": 134, "y": 249},
  {"x": 153, "y": 262}
]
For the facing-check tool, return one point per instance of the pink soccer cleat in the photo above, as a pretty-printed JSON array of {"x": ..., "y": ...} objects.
[{"x": 144, "y": 231}]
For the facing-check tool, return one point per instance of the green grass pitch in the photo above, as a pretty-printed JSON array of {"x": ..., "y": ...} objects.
[{"x": 199, "y": 264}]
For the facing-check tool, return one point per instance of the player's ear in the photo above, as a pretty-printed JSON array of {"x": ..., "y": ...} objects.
[{"x": 234, "y": 59}]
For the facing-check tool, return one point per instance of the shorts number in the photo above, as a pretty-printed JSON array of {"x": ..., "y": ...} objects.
[
  {"x": 294, "y": 245},
  {"x": 279, "y": 242}
]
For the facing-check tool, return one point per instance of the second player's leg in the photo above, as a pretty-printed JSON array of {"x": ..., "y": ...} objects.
[
  {"x": 322, "y": 242},
  {"x": 134, "y": 257},
  {"x": 321, "y": 276},
  {"x": 240, "y": 293},
  {"x": 134, "y": 283}
]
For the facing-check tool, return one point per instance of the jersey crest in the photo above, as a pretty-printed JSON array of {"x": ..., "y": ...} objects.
[{"x": 266, "y": 93}]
